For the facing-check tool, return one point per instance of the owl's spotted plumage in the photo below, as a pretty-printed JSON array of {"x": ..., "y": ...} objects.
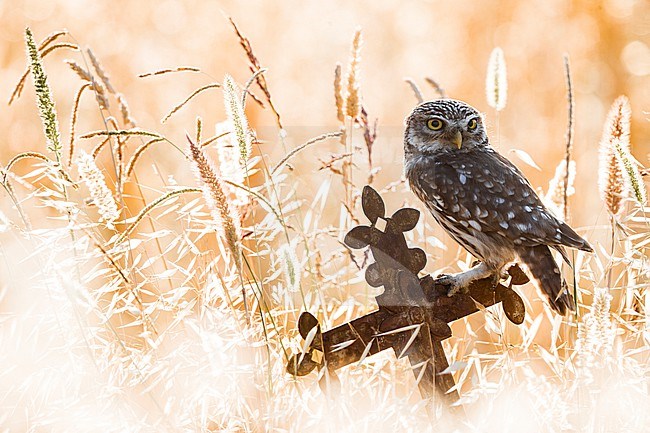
[{"x": 482, "y": 200}]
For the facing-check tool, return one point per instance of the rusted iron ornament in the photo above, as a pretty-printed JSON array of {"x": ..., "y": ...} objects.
[{"x": 413, "y": 314}]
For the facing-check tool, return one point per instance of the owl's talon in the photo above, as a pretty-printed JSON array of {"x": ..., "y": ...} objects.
[{"x": 453, "y": 283}]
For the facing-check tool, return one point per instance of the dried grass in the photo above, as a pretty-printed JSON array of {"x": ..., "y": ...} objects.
[
  {"x": 610, "y": 173},
  {"x": 237, "y": 117},
  {"x": 188, "y": 99},
  {"x": 100, "y": 71},
  {"x": 98, "y": 87},
  {"x": 169, "y": 71},
  {"x": 144, "y": 320},
  {"x": 439, "y": 90},
  {"x": 101, "y": 195},
  {"x": 44, "y": 48},
  {"x": 568, "y": 137},
  {"x": 46, "y": 108},
  {"x": 213, "y": 192},
  {"x": 560, "y": 188},
  {"x": 496, "y": 81},
  {"x": 415, "y": 89},
  {"x": 338, "y": 93},
  {"x": 353, "y": 98},
  {"x": 254, "y": 66},
  {"x": 73, "y": 121}
]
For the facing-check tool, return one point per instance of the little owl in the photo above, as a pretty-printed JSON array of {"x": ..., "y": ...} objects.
[{"x": 482, "y": 200}]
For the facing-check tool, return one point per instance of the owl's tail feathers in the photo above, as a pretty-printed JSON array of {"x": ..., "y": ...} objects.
[
  {"x": 568, "y": 237},
  {"x": 542, "y": 268}
]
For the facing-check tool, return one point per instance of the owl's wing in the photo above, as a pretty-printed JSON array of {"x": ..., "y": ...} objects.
[{"x": 483, "y": 190}]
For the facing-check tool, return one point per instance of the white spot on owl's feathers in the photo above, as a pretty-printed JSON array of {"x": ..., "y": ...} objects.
[
  {"x": 475, "y": 225},
  {"x": 523, "y": 227}
]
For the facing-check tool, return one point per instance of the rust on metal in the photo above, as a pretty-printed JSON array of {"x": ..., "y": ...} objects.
[{"x": 413, "y": 312}]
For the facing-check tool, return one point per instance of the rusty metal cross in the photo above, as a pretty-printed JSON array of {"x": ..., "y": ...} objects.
[{"x": 413, "y": 314}]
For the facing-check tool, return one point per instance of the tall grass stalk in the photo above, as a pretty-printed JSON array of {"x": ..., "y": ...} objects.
[
  {"x": 45, "y": 101},
  {"x": 153, "y": 323}
]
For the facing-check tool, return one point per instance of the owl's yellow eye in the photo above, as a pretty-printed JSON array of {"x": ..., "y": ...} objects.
[
  {"x": 472, "y": 124},
  {"x": 435, "y": 124}
]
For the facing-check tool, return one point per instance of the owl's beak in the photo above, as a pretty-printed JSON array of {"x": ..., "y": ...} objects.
[{"x": 457, "y": 139}]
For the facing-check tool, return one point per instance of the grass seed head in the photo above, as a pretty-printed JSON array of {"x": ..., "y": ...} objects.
[
  {"x": 99, "y": 192},
  {"x": 45, "y": 101},
  {"x": 230, "y": 164},
  {"x": 610, "y": 174},
  {"x": 631, "y": 174},
  {"x": 98, "y": 87},
  {"x": 496, "y": 82},
  {"x": 291, "y": 267},
  {"x": 127, "y": 120},
  {"x": 100, "y": 71},
  {"x": 353, "y": 98},
  {"x": 215, "y": 197},
  {"x": 596, "y": 332},
  {"x": 338, "y": 93},
  {"x": 236, "y": 115},
  {"x": 556, "y": 187}
]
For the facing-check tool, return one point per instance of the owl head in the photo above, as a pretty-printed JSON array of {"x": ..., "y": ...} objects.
[{"x": 444, "y": 125}]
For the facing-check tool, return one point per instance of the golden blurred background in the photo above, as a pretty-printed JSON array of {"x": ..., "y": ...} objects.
[
  {"x": 608, "y": 43},
  {"x": 299, "y": 42}
]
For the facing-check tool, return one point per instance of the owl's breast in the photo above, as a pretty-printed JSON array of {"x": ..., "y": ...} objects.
[{"x": 433, "y": 190}]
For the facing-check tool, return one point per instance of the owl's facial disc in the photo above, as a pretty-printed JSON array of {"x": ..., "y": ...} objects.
[
  {"x": 445, "y": 132},
  {"x": 444, "y": 124}
]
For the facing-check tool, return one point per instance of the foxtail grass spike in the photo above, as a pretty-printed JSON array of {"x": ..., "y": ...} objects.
[
  {"x": 610, "y": 173},
  {"x": 215, "y": 197},
  {"x": 496, "y": 82},
  {"x": 561, "y": 187},
  {"x": 127, "y": 120},
  {"x": 100, "y": 71},
  {"x": 230, "y": 161},
  {"x": 236, "y": 115},
  {"x": 353, "y": 98},
  {"x": 416, "y": 90},
  {"x": 99, "y": 89},
  {"x": 631, "y": 174},
  {"x": 99, "y": 192},
  {"x": 290, "y": 266},
  {"x": 45, "y": 101},
  {"x": 338, "y": 93}
]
